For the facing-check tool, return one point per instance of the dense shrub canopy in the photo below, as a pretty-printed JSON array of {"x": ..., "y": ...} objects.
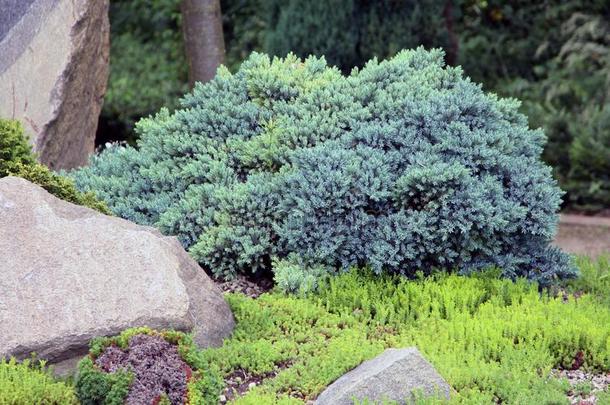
[
  {"x": 404, "y": 165},
  {"x": 515, "y": 48}
]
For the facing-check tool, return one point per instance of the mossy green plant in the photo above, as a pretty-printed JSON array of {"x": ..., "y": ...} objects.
[
  {"x": 18, "y": 159},
  {"x": 492, "y": 339},
  {"x": 14, "y": 147},
  {"x": 594, "y": 277},
  {"x": 31, "y": 382}
]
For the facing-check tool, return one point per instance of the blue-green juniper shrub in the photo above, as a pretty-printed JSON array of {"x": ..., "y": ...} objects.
[{"x": 402, "y": 165}]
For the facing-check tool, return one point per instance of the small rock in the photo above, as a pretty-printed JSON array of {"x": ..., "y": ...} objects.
[{"x": 391, "y": 376}]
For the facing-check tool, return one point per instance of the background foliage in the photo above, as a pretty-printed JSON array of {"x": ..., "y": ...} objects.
[
  {"x": 350, "y": 32},
  {"x": 553, "y": 54}
]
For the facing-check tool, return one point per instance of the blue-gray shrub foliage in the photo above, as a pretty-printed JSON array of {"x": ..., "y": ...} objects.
[{"x": 403, "y": 165}]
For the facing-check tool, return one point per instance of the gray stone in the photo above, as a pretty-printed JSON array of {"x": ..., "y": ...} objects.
[
  {"x": 53, "y": 74},
  {"x": 12, "y": 11},
  {"x": 69, "y": 273},
  {"x": 391, "y": 376}
]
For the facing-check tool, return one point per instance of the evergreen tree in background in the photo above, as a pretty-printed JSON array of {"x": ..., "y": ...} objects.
[{"x": 350, "y": 32}]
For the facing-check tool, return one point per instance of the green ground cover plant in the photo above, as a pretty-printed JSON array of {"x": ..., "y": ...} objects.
[
  {"x": 493, "y": 340},
  {"x": 403, "y": 165},
  {"x": 30, "y": 382},
  {"x": 594, "y": 278},
  {"x": 17, "y": 159}
]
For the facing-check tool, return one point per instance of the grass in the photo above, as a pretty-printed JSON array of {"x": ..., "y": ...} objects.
[{"x": 493, "y": 340}]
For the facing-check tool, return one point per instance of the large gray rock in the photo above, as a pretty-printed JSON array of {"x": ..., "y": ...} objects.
[
  {"x": 53, "y": 73},
  {"x": 393, "y": 376},
  {"x": 68, "y": 274}
]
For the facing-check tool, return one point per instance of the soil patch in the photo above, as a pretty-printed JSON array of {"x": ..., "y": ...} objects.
[
  {"x": 240, "y": 381},
  {"x": 584, "y": 235},
  {"x": 252, "y": 287}
]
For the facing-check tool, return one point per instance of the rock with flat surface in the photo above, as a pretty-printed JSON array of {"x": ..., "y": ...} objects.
[
  {"x": 69, "y": 273},
  {"x": 392, "y": 376},
  {"x": 53, "y": 74}
]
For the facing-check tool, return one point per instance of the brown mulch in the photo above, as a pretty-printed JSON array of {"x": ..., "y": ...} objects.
[
  {"x": 251, "y": 287},
  {"x": 240, "y": 381}
]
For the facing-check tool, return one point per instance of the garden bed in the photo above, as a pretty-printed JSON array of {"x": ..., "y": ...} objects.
[{"x": 493, "y": 340}]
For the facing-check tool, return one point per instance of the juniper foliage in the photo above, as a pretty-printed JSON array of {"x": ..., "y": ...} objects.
[{"x": 402, "y": 165}]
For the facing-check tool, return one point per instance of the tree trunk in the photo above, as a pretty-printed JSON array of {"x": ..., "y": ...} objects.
[
  {"x": 452, "y": 48},
  {"x": 203, "y": 38}
]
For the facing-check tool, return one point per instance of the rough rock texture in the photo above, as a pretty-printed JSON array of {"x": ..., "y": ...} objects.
[
  {"x": 68, "y": 274},
  {"x": 392, "y": 375},
  {"x": 53, "y": 73}
]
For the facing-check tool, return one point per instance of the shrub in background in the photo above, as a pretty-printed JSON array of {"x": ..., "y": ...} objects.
[
  {"x": 17, "y": 159},
  {"x": 145, "y": 366},
  {"x": 570, "y": 99},
  {"x": 404, "y": 165},
  {"x": 588, "y": 183},
  {"x": 350, "y": 32},
  {"x": 29, "y": 383}
]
